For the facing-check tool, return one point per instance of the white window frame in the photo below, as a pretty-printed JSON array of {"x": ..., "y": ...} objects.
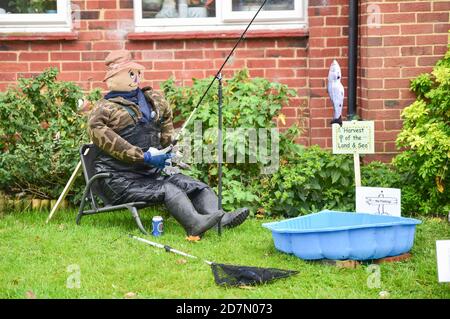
[
  {"x": 39, "y": 22},
  {"x": 225, "y": 20}
]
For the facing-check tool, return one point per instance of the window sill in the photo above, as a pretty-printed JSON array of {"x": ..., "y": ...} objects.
[
  {"x": 38, "y": 36},
  {"x": 196, "y": 35}
]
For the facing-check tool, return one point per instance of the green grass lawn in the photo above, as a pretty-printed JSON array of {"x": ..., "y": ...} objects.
[{"x": 35, "y": 257}]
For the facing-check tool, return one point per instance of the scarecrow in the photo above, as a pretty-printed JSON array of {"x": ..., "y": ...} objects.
[{"x": 126, "y": 125}]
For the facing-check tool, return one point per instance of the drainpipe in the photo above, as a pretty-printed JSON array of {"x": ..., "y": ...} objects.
[{"x": 352, "y": 57}]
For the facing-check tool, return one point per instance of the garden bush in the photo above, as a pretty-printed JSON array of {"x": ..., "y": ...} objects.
[
  {"x": 41, "y": 130},
  {"x": 425, "y": 138},
  {"x": 247, "y": 103}
]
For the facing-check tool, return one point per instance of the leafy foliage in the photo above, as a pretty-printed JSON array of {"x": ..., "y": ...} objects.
[
  {"x": 247, "y": 104},
  {"x": 426, "y": 139},
  {"x": 313, "y": 180},
  {"x": 41, "y": 130}
]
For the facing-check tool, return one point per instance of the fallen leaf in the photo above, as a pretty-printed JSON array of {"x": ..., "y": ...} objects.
[
  {"x": 439, "y": 184},
  {"x": 384, "y": 294},
  {"x": 181, "y": 261},
  {"x": 130, "y": 295},
  {"x": 30, "y": 294},
  {"x": 247, "y": 287},
  {"x": 282, "y": 118},
  {"x": 193, "y": 238},
  {"x": 61, "y": 227}
]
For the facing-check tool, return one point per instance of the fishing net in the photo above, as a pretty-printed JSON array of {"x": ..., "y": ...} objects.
[{"x": 232, "y": 275}]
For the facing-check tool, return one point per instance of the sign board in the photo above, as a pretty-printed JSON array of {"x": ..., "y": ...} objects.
[
  {"x": 378, "y": 200},
  {"x": 443, "y": 260},
  {"x": 354, "y": 137}
]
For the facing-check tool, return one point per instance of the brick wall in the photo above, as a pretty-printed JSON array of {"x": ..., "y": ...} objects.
[{"x": 411, "y": 36}]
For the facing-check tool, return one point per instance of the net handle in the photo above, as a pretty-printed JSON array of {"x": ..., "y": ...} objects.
[{"x": 167, "y": 248}]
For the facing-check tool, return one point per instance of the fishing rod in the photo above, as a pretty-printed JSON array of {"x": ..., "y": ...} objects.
[{"x": 218, "y": 74}]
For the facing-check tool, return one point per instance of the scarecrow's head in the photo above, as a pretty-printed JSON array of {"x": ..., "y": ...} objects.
[{"x": 122, "y": 74}]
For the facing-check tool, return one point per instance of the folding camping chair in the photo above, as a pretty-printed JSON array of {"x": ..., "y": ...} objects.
[{"x": 88, "y": 153}]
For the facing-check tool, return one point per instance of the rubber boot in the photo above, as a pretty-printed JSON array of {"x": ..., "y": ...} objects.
[
  {"x": 206, "y": 203},
  {"x": 181, "y": 208}
]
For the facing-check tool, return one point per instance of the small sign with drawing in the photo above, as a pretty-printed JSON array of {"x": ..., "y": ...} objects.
[
  {"x": 443, "y": 260},
  {"x": 354, "y": 137},
  {"x": 378, "y": 200}
]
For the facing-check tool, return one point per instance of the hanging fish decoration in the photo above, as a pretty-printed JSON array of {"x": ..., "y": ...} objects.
[{"x": 336, "y": 91}]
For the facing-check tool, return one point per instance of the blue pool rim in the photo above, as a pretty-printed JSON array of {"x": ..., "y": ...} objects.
[{"x": 400, "y": 221}]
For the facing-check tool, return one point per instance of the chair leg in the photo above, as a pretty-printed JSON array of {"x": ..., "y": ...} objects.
[
  {"x": 80, "y": 214},
  {"x": 136, "y": 217}
]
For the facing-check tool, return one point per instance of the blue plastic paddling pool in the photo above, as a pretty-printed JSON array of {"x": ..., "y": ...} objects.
[{"x": 343, "y": 235}]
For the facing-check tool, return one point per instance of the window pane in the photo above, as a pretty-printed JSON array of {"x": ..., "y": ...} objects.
[
  {"x": 178, "y": 9},
  {"x": 253, "y": 5},
  {"x": 27, "y": 6}
]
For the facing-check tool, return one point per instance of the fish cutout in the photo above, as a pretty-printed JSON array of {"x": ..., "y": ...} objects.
[{"x": 336, "y": 91}]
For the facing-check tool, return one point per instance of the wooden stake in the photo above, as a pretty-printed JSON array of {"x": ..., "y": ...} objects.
[
  {"x": 65, "y": 191},
  {"x": 357, "y": 169}
]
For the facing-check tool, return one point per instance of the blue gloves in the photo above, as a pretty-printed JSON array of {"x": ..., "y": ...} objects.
[
  {"x": 158, "y": 158},
  {"x": 158, "y": 161}
]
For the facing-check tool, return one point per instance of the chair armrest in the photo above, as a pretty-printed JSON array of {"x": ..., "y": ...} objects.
[{"x": 95, "y": 177}]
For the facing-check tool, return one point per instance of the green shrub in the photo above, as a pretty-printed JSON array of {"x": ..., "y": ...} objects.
[
  {"x": 41, "y": 130},
  {"x": 313, "y": 180},
  {"x": 426, "y": 139},
  {"x": 247, "y": 103}
]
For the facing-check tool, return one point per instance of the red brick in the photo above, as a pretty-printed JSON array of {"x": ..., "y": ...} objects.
[
  {"x": 157, "y": 55},
  {"x": 93, "y": 56},
  {"x": 8, "y": 76},
  {"x": 165, "y": 45},
  {"x": 76, "y": 66},
  {"x": 92, "y": 76},
  {"x": 399, "y": 61},
  {"x": 393, "y": 125},
  {"x": 108, "y": 46},
  {"x": 415, "y": 6},
  {"x": 199, "y": 44},
  {"x": 428, "y": 61},
  {"x": 118, "y": 14},
  {"x": 41, "y": 66},
  {"x": 76, "y": 46},
  {"x": 259, "y": 43},
  {"x": 101, "y": 4},
  {"x": 441, "y": 6},
  {"x": 69, "y": 76},
  {"x": 433, "y": 17},
  {"x": 399, "y": 41},
  {"x": 413, "y": 72},
  {"x": 65, "y": 56},
  {"x": 432, "y": 39},
  {"x": 416, "y": 29},
  {"x": 399, "y": 18},
  {"x": 90, "y": 35},
  {"x": 31, "y": 56},
  {"x": 168, "y": 65},
  {"x": 188, "y": 74},
  {"x": 417, "y": 51},
  {"x": 190, "y": 54},
  {"x": 261, "y": 63},
  {"x": 158, "y": 75},
  {"x": 8, "y": 56},
  {"x": 44, "y": 46},
  {"x": 102, "y": 25},
  {"x": 201, "y": 64},
  {"x": 279, "y": 73}
]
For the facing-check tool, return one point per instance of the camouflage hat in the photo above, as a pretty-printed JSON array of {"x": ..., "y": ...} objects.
[{"x": 117, "y": 61}]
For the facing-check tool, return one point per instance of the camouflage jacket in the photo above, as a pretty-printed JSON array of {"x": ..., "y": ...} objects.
[{"x": 108, "y": 118}]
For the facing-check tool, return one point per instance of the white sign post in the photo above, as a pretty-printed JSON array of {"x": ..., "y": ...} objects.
[
  {"x": 378, "y": 200},
  {"x": 354, "y": 137},
  {"x": 443, "y": 260}
]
